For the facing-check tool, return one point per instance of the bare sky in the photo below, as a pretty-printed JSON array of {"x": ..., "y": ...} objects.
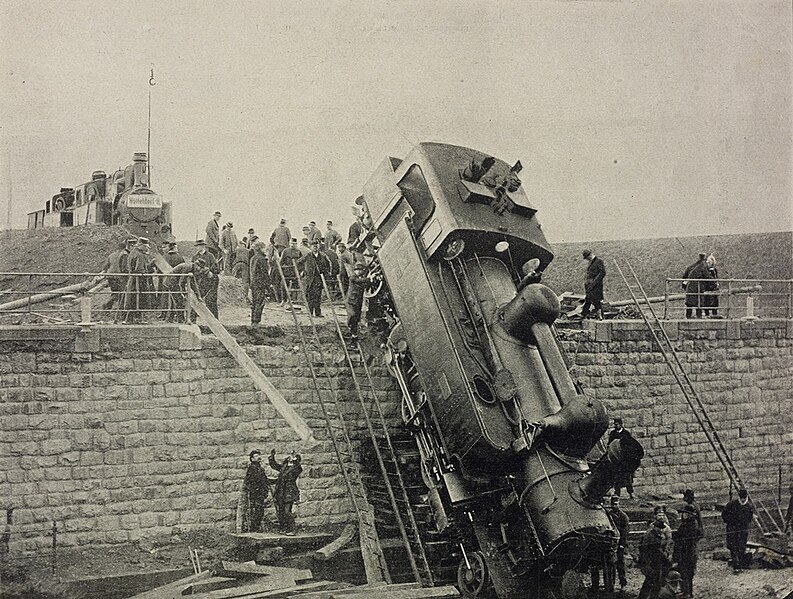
[{"x": 632, "y": 119}]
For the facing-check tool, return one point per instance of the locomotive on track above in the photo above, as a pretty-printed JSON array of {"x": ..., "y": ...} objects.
[
  {"x": 503, "y": 430},
  {"x": 122, "y": 198}
]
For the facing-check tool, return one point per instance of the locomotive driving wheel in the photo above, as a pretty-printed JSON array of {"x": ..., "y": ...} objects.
[{"x": 473, "y": 579}]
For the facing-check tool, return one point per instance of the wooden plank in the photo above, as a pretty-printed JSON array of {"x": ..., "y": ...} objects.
[
  {"x": 173, "y": 590},
  {"x": 254, "y": 568},
  {"x": 216, "y": 583},
  {"x": 274, "y": 396},
  {"x": 332, "y": 548},
  {"x": 445, "y": 592},
  {"x": 265, "y": 584},
  {"x": 292, "y": 591}
]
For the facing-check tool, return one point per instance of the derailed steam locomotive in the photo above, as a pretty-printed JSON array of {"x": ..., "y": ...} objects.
[{"x": 502, "y": 429}]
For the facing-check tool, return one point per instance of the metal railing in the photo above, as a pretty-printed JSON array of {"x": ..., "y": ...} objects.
[
  {"x": 727, "y": 298},
  {"x": 85, "y": 298}
]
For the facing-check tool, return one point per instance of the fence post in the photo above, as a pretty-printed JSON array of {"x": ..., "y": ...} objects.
[
  {"x": 187, "y": 309},
  {"x": 54, "y": 546},
  {"x": 85, "y": 309},
  {"x": 666, "y": 299},
  {"x": 729, "y": 298}
]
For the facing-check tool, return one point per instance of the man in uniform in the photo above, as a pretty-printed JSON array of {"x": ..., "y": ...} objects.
[
  {"x": 314, "y": 234},
  {"x": 212, "y": 239},
  {"x": 593, "y": 285},
  {"x": 346, "y": 265},
  {"x": 684, "y": 555},
  {"x": 228, "y": 243},
  {"x": 280, "y": 237},
  {"x": 737, "y": 515},
  {"x": 314, "y": 266},
  {"x": 172, "y": 255},
  {"x": 357, "y": 286},
  {"x": 208, "y": 281}
]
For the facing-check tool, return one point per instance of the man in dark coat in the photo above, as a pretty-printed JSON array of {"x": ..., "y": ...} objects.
[
  {"x": 628, "y": 443},
  {"x": 289, "y": 280},
  {"x": 622, "y": 524},
  {"x": 332, "y": 237},
  {"x": 286, "y": 492},
  {"x": 314, "y": 234},
  {"x": 346, "y": 264},
  {"x": 355, "y": 292},
  {"x": 139, "y": 290},
  {"x": 695, "y": 283},
  {"x": 241, "y": 268},
  {"x": 671, "y": 586},
  {"x": 684, "y": 556},
  {"x": 653, "y": 560},
  {"x": 175, "y": 289},
  {"x": 281, "y": 236},
  {"x": 208, "y": 280},
  {"x": 172, "y": 255},
  {"x": 593, "y": 285},
  {"x": 737, "y": 515},
  {"x": 314, "y": 266},
  {"x": 688, "y": 497},
  {"x": 116, "y": 269},
  {"x": 256, "y": 485},
  {"x": 212, "y": 238},
  {"x": 260, "y": 281}
]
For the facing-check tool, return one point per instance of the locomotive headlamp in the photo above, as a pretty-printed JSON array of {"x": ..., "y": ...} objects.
[
  {"x": 454, "y": 249},
  {"x": 502, "y": 246}
]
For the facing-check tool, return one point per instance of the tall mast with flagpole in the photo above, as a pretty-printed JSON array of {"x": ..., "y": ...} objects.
[{"x": 152, "y": 83}]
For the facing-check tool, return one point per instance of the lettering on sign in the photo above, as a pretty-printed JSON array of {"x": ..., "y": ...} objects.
[{"x": 144, "y": 200}]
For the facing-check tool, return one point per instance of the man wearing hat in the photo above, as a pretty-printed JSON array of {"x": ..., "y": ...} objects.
[
  {"x": 139, "y": 290},
  {"x": 653, "y": 560},
  {"x": 212, "y": 238},
  {"x": 289, "y": 280},
  {"x": 260, "y": 281},
  {"x": 737, "y": 515},
  {"x": 241, "y": 268},
  {"x": 172, "y": 255},
  {"x": 174, "y": 289},
  {"x": 208, "y": 281},
  {"x": 280, "y": 236},
  {"x": 672, "y": 586},
  {"x": 256, "y": 487},
  {"x": 228, "y": 243},
  {"x": 358, "y": 284},
  {"x": 116, "y": 269},
  {"x": 314, "y": 234},
  {"x": 332, "y": 237},
  {"x": 695, "y": 282},
  {"x": 314, "y": 266},
  {"x": 684, "y": 556},
  {"x": 593, "y": 285}
]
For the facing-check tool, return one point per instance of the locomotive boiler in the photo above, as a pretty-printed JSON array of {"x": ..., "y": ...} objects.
[
  {"x": 502, "y": 429},
  {"x": 123, "y": 198}
]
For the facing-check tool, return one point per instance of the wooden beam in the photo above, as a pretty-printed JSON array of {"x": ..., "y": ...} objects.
[
  {"x": 262, "y": 383},
  {"x": 332, "y": 548},
  {"x": 172, "y": 590},
  {"x": 254, "y": 568}
]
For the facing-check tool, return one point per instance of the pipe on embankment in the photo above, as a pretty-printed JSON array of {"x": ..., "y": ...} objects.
[{"x": 38, "y": 298}]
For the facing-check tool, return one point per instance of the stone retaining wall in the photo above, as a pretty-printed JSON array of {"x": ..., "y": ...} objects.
[{"x": 120, "y": 433}]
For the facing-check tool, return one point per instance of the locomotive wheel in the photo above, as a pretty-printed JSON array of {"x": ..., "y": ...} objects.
[{"x": 474, "y": 581}]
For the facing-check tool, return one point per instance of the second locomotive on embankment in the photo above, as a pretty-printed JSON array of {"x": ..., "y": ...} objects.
[{"x": 503, "y": 430}]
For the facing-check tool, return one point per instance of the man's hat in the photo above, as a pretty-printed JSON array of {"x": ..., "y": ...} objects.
[
  {"x": 171, "y": 244},
  {"x": 200, "y": 243},
  {"x": 217, "y": 212},
  {"x": 673, "y": 576},
  {"x": 230, "y": 224},
  {"x": 253, "y": 453},
  {"x": 294, "y": 240},
  {"x": 586, "y": 253},
  {"x": 688, "y": 493},
  {"x": 312, "y": 223},
  {"x": 283, "y": 221},
  {"x": 330, "y": 222},
  {"x": 250, "y": 230},
  {"x": 743, "y": 493},
  {"x": 702, "y": 255},
  {"x": 315, "y": 242},
  {"x": 306, "y": 228},
  {"x": 618, "y": 420}
]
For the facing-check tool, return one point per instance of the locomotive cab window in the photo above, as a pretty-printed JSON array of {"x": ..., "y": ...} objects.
[{"x": 417, "y": 193}]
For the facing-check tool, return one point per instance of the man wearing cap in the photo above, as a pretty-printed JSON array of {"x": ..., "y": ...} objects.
[
  {"x": 695, "y": 284},
  {"x": 208, "y": 281},
  {"x": 653, "y": 560},
  {"x": 281, "y": 236},
  {"x": 346, "y": 266},
  {"x": 627, "y": 444},
  {"x": 622, "y": 524},
  {"x": 251, "y": 233},
  {"x": 593, "y": 285},
  {"x": 139, "y": 290},
  {"x": 116, "y": 269},
  {"x": 175, "y": 289},
  {"x": 228, "y": 243},
  {"x": 260, "y": 281},
  {"x": 671, "y": 586},
  {"x": 356, "y": 228},
  {"x": 314, "y": 266},
  {"x": 737, "y": 515},
  {"x": 172, "y": 255},
  {"x": 314, "y": 234},
  {"x": 289, "y": 280},
  {"x": 241, "y": 267},
  {"x": 684, "y": 555},
  {"x": 332, "y": 237},
  {"x": 256, "y": 487},
  {"x": 212, "y": 239},
  {"x": 304, "y": 247},
  {"x": 357, "y": 286}
]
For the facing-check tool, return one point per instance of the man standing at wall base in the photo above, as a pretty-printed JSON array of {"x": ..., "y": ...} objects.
[
  {"x": 737, "y": 515},
  {"x": 256, "y": 486}
]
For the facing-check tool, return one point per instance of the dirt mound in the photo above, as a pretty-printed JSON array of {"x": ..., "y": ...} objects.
[{"x": 230, "y": 293}]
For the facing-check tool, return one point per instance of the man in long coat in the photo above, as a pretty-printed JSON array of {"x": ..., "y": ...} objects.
[
  {"x": 357, "y": 286},
  {"x": 684, "y": 556},
  {"x": 332, "y": 237},
  {"x": 653, "y": 560},
  {"x": 140, "y": 290},
  {"x": 116, "y": 269},
  {"x": 281, "y": 236},
  {"x": 593, "y": 285},
  {"x": 212, "y": 239},
  {"x": 695, "y": 283},
  {"x": 228, "y": 243},
  {"x": 289, "y": 280},
  {"x": 286, "y": 493},
  {"x": 241, "y": 268},
  {"x": 174, "y": 289},
  {"x": 208, "y": 281},
  {"x": 256, "y": 486},
  {"x": 314, "y": 266},
  {"x": 737, "y": 515},
  {"x": 260, "y": 281}
]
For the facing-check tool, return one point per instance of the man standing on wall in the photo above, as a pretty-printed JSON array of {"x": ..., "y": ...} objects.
[
  {"x": 593, "y": 285},
  {"x": 695, "y": 282},
  {"x": 260, "y": 281},
  {"x": 737, "y": 515},
  {"x": 314, "y": 266},
  {"x": 212, "y": 239},
  {"x": 228, "y": 243},
  {"x": 207, "y": 282},
  {"x": 116, "y": 269}
]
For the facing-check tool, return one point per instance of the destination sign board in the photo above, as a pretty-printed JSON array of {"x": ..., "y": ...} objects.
[{"x": 144, "y": 200}]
